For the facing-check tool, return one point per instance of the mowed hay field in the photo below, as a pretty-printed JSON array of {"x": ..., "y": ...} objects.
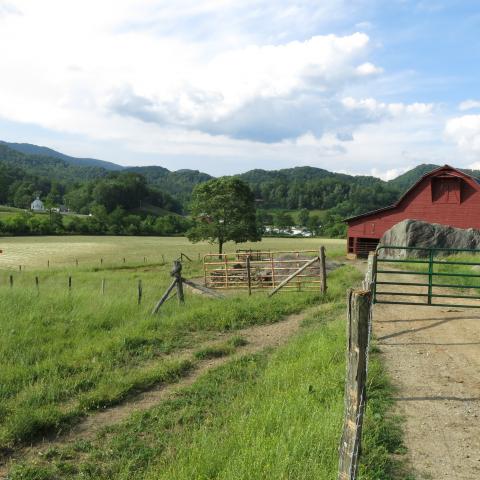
[
  {"x": 35, "y": 252},
  {"x": 65, "y": 354}
]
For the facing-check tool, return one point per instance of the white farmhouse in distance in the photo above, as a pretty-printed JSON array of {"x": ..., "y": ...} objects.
[{"x": 37, "y": 205}]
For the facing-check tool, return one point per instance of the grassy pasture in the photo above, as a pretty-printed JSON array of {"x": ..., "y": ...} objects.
[
  {"x": 62, "y": 251},
  {"x": 65, "y": 352},
  {"x": 277, "y": 414}
]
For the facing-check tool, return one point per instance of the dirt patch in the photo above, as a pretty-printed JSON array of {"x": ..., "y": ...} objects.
[
  {"x": 258, "y": 338},
  {"x": 433, "y": 357}
]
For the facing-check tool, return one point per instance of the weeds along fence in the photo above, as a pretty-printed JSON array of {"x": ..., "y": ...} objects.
[
  {"x": 101, "y": 262},
  {"x": 359, "y": 315},
  {"x": 257, "y": 270}
]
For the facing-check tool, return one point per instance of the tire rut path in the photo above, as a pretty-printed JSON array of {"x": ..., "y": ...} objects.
[{"x": 259, "y": 337}]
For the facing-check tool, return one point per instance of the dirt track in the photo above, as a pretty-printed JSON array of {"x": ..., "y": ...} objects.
[
  {"x": 433, "y": 357},
  {"x": 258, "y": 337}
]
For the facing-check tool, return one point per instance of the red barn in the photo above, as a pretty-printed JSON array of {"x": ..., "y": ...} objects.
[{"x": 445, "y": 195}]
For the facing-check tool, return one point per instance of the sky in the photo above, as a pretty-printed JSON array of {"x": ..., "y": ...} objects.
[{"x": 369, "y": 87}]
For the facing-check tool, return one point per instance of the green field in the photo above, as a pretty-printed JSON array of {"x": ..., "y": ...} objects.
[
  {"x": 63, "y": 251},
  {"x": 67, "y": 353}
]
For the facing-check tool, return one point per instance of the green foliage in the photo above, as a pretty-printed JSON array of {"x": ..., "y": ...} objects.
[
  {"x": 223, "y": 210},
  {"x": 179, "y": 184}
]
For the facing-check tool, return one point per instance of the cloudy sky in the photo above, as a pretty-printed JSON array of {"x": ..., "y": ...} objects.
[{"x": 224, "y": 86}]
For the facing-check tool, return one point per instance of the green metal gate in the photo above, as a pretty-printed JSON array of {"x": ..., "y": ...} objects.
[{"x": 433, "y": 270}]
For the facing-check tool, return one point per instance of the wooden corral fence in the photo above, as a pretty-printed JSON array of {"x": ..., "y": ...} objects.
[{"x": 266, "y": 270}]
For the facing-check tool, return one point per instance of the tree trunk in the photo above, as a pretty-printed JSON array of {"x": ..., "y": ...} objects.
[{"x": 220, "y": 247}]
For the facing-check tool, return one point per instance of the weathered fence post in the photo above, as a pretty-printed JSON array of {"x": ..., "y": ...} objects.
[
  {"x": 20, "y": 268},
  {"x": 101, "y": 261},
  {"x": 76, "y": 262},
  {"x": 177, "y": 274},
  {"x": 48, "y": 263},
  {"x": 139, "y": 291},
  {"x": 69, "y": 283},
  {"x": 358, "y": 318},
  {"x": 323, "y": 271},
  {"x": 163, "y": 258},
  {"x": 249, "y": 275},
  {"x": 37, "y": 285},
  {"x": 371, "y": 270},
  {"x": 11, "y": 281},
  {"x": 103, "y": 286}
]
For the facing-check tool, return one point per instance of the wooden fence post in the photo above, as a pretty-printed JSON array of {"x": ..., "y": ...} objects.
[
  {"x": 140, "y": 292},
  {"x": 371, "y": 269},
  {"x": 69, "y": 283},
  {"x": 358, "y": 304},
  {"x": 177, "y": 274},
  {"x": 11, "y": 281},
  {"x": 76, "y": 262},
  {"x": 103, "y": 286},
  {"x": 163, "y": 258},
  {"x": 249, "y": 275},
  {"x": 48, "y": 263},
  {"x": 323, "y": 271},
  {"x": 37, "y": 285}
]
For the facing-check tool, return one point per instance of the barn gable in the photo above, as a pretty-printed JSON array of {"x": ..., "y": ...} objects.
[{"x": 445, "y": 195}]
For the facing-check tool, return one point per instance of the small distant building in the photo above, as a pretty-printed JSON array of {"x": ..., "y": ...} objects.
[{"x": 37, "y": 205}]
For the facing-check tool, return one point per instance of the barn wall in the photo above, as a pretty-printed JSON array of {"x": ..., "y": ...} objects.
[{"x": 418, "y": 205}]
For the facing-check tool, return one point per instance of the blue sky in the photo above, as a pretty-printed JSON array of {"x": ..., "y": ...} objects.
[{"x": 224, "y": 86}]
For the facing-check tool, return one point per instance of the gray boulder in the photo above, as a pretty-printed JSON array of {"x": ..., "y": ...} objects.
[{"x": 416, "y": 233}]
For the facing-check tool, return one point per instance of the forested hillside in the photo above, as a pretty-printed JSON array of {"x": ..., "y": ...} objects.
[
  {"x": 179, "y": 184},
  {"x": 29, "y": 149},
  {"x": 124, "y": 197}
]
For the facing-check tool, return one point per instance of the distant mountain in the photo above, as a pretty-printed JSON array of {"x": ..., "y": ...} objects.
[
  {"x": 406, "y": 180},
  {"x": 298, "y": 187},
  {"x": 52, "y": 168},
  {"x": 30, "y": 149}
]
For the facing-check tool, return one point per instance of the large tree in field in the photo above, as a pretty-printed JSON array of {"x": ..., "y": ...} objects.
[{"x": 223, "y": 209}]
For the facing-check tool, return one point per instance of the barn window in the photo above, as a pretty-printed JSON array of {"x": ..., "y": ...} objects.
[{"x": 446, "y": 190}]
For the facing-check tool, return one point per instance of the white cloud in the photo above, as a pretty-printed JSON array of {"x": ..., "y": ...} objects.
[
  {"x": 389, "y": 174},
  {"x": 465, "y": 132},
  {"x": 368, "y": 68},
  {"x": 218, "y": 84},
  {"x": 469, "y": 105},
  {"x": 382, "y": 109},
  {"x": 103, "y": 64}
]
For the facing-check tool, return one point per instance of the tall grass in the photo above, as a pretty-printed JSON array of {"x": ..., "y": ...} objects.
[
  {"x": 64, "y": 352},
  {"x": 274, "y": 415}
]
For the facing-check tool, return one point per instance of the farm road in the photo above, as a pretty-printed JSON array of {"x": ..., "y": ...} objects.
[
  {"x": 258, "y": 337},
  {"x": 433, "y": 358}
]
